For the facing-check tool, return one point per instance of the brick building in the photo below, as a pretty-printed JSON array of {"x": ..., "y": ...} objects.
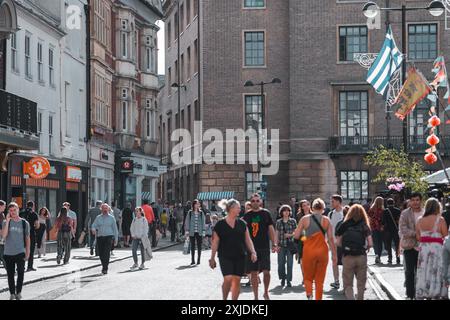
[{"x": 328, "y": 116}]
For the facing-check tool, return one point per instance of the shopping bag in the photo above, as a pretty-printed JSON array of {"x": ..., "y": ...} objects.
[
  {"x": 186, "y": 246},
  {"x": 53, "y": 233},
  {"x": 81, "y": 238}
]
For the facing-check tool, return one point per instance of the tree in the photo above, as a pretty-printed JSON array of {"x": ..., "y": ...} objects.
[{"x": 393, "y": 163}]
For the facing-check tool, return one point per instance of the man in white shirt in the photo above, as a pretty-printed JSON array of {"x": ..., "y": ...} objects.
[{"x": 336, "y": 215}]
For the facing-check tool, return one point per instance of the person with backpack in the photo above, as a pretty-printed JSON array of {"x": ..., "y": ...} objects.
[
  {"x": 16, "y": 234},
  {"x": 352, "y": 236},
  {"x": 33, "y": 220},
  {"x": 195, "y": 229},
  {"x": 390, "y": 219},
  {"x": 284, "y": 229},
  {"x": 336, "y": 216},
  {"x": 64, "y": 226},
  {"x": 315, "y": 248}
]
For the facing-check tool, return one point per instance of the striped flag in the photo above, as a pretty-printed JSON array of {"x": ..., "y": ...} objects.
[{"x": 388, "y": 61}]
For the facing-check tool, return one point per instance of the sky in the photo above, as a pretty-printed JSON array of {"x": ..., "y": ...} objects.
[{"x": 161, "y": 49}]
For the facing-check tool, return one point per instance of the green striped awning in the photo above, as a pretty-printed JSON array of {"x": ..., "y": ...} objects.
[{"x": 215, "y": 195}]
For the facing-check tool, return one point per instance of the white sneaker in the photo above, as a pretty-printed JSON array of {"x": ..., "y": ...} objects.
[
  {"x": 12, "y": 297},
  {"x": 18, "y": 296},
  {"x": 134, "y": 266},
  {"x": 142, "y": 266}
]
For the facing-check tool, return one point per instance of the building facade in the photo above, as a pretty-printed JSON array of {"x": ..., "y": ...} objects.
[{"x": 328, "y": 116}]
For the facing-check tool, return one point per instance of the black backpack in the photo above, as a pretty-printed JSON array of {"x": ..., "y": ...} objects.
[{"x": 354, "y": 240}]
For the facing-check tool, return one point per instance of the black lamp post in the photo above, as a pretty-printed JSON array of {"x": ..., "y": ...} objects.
[{"x": 371, "y": 10}]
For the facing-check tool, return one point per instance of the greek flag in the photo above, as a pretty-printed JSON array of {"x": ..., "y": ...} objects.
[{"x": 388, "y": 60}]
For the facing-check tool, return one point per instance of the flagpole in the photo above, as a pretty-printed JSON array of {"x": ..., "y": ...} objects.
[{"x": 405, "y": 120}]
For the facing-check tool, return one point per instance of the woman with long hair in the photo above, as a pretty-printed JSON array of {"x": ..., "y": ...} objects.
[
  {"x": 196, "y": 229},
  {"x": 375, "y": 218},
  {"x": 352, "y": 236},
  {"x": 231, "y": 239},
  {"x": 431, "y": 229},
  {"x": 41, "y": 233},
  {"x": 315, "y": 250},
  {"x": 64, "y": 226},
  {"x": 139, "y": 231}
]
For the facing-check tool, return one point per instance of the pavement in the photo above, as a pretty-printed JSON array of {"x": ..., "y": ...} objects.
[
  {"x": 81, "y": 260},
  {"x": 168, "y": 276}
]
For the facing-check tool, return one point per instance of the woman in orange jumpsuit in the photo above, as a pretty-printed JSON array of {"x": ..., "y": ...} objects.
[{"x": 315, "y": 248}]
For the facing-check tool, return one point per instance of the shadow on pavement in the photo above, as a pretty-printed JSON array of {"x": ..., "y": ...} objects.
[
  {"x": 186, "y": 267},
  {"x": 51, "y": 266},
  {"x": 86, "y": 258}
]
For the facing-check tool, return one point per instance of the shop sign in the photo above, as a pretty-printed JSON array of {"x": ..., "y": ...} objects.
[
  {"x": 36, "y": 168},
  {"x": 127, "y": 165},
  {"x": 73, "y": 174}
]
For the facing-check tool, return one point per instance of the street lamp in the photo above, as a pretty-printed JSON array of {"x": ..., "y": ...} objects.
[
  {"x": 250, "y": 83},
  {"x": 176, "y": 85},
  {"x": 371, "y": 10}
]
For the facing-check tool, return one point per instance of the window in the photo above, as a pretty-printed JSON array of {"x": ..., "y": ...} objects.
[
  {"x": 176, "y": 71},
  {"x": 148, "y": 103},
  {"x": 418, "y": 123},
  {"x": 124, "y": 38},
  {"x": 352, "y": 40},
  {"x": 125, "y": 109},
  {"x": 135, "y": 46},
  {"x": 50, "y": 133},
  {"x": 422, "y": 41},
  {"x": 353, "y": 117},
  {"x": 148, "y": 59},
  {"x": 189, "y": 118},
  {"x": 27, "y": 56},
  {"x": 196, "y": 56},
  {"x": 253, "y": 113},
  {"x": 188, "y": 71},
  {"x": 147, "y": 123},
  {"x": 354, "y": 185},
  {"x": 169, "y": 34},
  {"x": 182, "y": 69},
  {"x": 102, "y": 23},
  {"x": 102, "y": 100},
  {"x": 254, "y": 4},
  {"x": 253, "y": 181},
  {"x": 40, "y": 64},
  {"x": 182, "y": 119},
  {"x": 14, "y": 65},
  {"x": 170, "y": 80},
  {"x": 177, "y": 121},
  {"x": 196, "y": 111},
  {"x": 67, "y": 108},
  {"x": 254, "y": 48},
  {"x": 181, "y": 18},
  {"x": 176, "y": 21},
  {"x": 51, "y": 71},
  {"x": 188, "y": 12},
  {"x": 39, "y": 122},
  {"x": 195, "y": 8}
]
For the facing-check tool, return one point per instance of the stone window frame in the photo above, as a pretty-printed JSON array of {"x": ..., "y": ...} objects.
[
  {"x": 244, "y": 65},
  {"x": 362, "y": 137}
]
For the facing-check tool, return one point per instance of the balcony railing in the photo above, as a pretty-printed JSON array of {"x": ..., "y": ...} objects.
[{"x": 365, "y": 144}]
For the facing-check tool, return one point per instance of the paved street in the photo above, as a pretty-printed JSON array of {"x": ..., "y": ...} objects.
[{"x": 168, "y": 276}]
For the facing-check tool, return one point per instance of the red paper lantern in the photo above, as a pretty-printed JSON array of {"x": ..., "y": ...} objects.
[
  {"x": 432, "y": 140},
  {"x": 430, "y": 158},
  {"x": 434, "y": 121}
]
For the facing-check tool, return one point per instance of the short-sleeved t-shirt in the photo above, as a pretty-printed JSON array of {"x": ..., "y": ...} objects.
[
  {"x": 14, "y": 244},
  {"x": 258, "y": 223},
  {"x": 232, "y": 240}
]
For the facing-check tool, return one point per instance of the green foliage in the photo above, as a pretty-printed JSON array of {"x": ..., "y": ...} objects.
[{"x": 395, "y": 163}]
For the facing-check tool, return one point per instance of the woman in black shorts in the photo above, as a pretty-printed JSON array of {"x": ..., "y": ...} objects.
[{"x": 231, "y": 240}]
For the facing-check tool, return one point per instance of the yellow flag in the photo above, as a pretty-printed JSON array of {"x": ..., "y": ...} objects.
[{"x": 413, "y": 91}]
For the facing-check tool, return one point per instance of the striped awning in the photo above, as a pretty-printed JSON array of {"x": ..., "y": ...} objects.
[
  {"x": 215, "y": 195},
  {"x": 146, "y": 195}
]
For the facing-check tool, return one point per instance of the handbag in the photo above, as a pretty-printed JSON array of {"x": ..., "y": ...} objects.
[
  {"x": 53, "y": 233},
  {"x": 186, "y": 246}
]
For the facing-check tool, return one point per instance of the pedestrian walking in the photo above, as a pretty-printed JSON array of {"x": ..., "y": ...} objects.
[
  {"x": 33, "y": 220},
  {"x": 16, "y": 235},
  {"x": 187, "y": 208},
  {"x": 231, "y": 240},
  {"x": 375, "y": 217},
  {"x": 315, "y": 248},
  {"x": 431, "y": 230},
  {"x": 64, "y": 226},
  {"x": 2, "y": 218},
  {"x": 41, "y": 234},
  {"x": 139, "y": 231},
  {"x": 127, "y": 219},
  {"x": 117, "y": 213},
  {"x": 72, "y": 215},
  {"x": 105, "y": 230},
  {"x": 164, "y": 220},
  {"x": 92, "y": 215},
  {"x": 179, "y": 212},
  {"x": 390, "y": 219},
  {"x": 285, "y": 228},
  {"x": 261, "y": 227},
  {"x": 408, "y": 241},
  {"x": 208, "y": 233},
  {"x": 195, "y": 229},
  {"x": 172, "y": 226},
  {"x": 304, "y": 209},
  {"x": 336, "y": 216},
  {"x": 354, "y": 236},
  {"x": 150, "y": 217}
]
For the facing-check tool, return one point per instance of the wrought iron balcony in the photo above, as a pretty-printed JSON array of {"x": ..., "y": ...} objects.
[
  {"x": 18, "y": 122},
  {"x": 361, "y": 144}
]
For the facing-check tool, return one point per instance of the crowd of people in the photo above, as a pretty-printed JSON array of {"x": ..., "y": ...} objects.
[{"x": 244, "y": 236}]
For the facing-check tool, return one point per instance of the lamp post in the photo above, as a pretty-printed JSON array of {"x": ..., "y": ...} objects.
[
  {"x": 371, "y": 10},
  {"x": 250, "y": 83}
]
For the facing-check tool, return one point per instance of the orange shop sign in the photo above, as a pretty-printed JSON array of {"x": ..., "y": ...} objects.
[
  {"x": 73, "y": 174},
  {"x": 36, "y": 168}
]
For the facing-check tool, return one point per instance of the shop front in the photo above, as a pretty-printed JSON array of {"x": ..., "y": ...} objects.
[
  {"x": 64, "y": 182},
  {"x": 102, "y": 175}
]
